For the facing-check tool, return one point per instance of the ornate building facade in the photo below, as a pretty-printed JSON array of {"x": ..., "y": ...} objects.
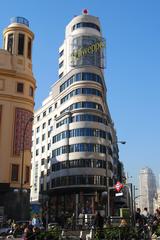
[{"x": 17, "y": 86}]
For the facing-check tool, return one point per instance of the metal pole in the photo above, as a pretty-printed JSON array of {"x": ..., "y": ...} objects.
[
  {"x": 107, "y": 188},
  {"x": 107, "y": 179}
]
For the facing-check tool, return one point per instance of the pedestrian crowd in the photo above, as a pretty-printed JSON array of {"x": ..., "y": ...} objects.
[
  {"x": 29, "y": 230},
  {"x": 146, "y": 222}
]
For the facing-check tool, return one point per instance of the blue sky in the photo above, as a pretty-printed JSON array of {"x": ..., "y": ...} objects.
[{"x": 132, "y": 32}]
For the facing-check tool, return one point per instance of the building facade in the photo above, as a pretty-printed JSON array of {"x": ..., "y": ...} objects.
[
  {"x": 75, "y": 152},
  {"x": 147, "y": 189},
  {"x": 17, "y": 86}
]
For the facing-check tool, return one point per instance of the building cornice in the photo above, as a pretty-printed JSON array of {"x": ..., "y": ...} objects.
[{"x": 15, "y": 74}]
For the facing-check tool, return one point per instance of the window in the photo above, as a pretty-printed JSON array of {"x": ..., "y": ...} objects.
[
  {"x": 37, "y": 140},
  {"x": 55, "y": 105},
  {"x": 60, "y": 64},
  {"x": 44, "y": 113},
  {"x": 43, "y": 137},
  {"x": 15, "y": 171},
  {"x": 29, "y": 48},
  {"x": 27, "y": 176},
  {"x": 49, "y": 133},
  {"x": 85, "y": 76},
  {"x": 37, "y": 152},
  {"x": 61, "y": 53},
  {"x": 49, "y": 146},
  {"x": 43, "y": 149},
  {"x": 20, "y": 87},
  {"x": 61, "y": 75},
  {"x": 50, "y": 109},
  {"x": 31, "y": 91},
  {"x": 38, "y": 128},
  {"x": 21, "y": 44},
  {"x": 86, "y": 24},
  {"x": 43, "y": 125},
  {"x": 38, "y": 118},
  {"x": 77, "y": 105},
  {"x": 49, "y": 121},
  {"x": 10, "y": 43},
  {"x": 42, "y": 161}
]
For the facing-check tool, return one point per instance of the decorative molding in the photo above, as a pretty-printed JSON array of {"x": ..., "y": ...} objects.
[{"x": 21, "y": 118}]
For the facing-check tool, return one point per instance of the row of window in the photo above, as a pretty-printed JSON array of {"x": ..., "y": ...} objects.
[
  {"x": 43, "y": 149},
  {"x": 45, "y": 112},
  {"x": 86, "y": 24},
  {"x": 20, "y": 89},
  {"x": 79, "y": 163},
  {"x": 82, "y": 117},
  {"x": 78, "y": 132},
  {"x": 83, "y": 76},
  {"x": 78, "y": 180},
  {"x": 79, "y": 147},
  {"x": 79, "y": 91},
  {"x": 44, "y": 124},
  {"x": 92, "y": 105},
  {"x": 21, "y": 44}
]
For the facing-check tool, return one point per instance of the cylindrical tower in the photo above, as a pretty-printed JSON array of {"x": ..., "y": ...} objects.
[
  {"x": 82, "y": 160},
  {"x": 17, "y": 87}
]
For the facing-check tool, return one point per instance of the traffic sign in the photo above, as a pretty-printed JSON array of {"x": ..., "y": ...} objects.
[{"x": 118, "y": 186}]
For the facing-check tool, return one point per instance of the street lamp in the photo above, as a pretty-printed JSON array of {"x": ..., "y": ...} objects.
[
  {"x": 22, "y": 161},
  {"x": 107, "y": 211}
]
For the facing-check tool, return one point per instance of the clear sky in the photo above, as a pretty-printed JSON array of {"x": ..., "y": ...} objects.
[{"x": 132, "y": 31}]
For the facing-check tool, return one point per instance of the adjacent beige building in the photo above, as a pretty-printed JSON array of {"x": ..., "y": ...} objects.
[{"x": 17, "y": 87}]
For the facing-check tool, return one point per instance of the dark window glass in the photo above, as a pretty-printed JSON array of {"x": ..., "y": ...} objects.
[
  {"x": 29, "y": 48},
  {"x": 43, "y": 137},
  {"x": 49, "y": 121},
  {"x": 44, "y": 113},
  {"x": 42, "y": 161},
  {"x": 37, "y": 152},
  {"x": 31, "y": 91},
  {"x": 20, "y": 87},
  {"x": 60, "y": 64},
  {"x": 61, "y": 75},
  {"x": 27, "y": 176},
  {"x": 61, "y": 53},
  {"x": 80, "y": 77},
  {"x": 21, "y": 44},
  {"x": 15, "y": 171},
  {"x": 50, "y": 109},
  {"x": 43, "y": 149},
  {"x": 86, "y": 24},
  {"x": 10, "y": 43}
]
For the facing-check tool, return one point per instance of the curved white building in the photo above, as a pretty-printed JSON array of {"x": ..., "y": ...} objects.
[{"x": 73, "y": 135}]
